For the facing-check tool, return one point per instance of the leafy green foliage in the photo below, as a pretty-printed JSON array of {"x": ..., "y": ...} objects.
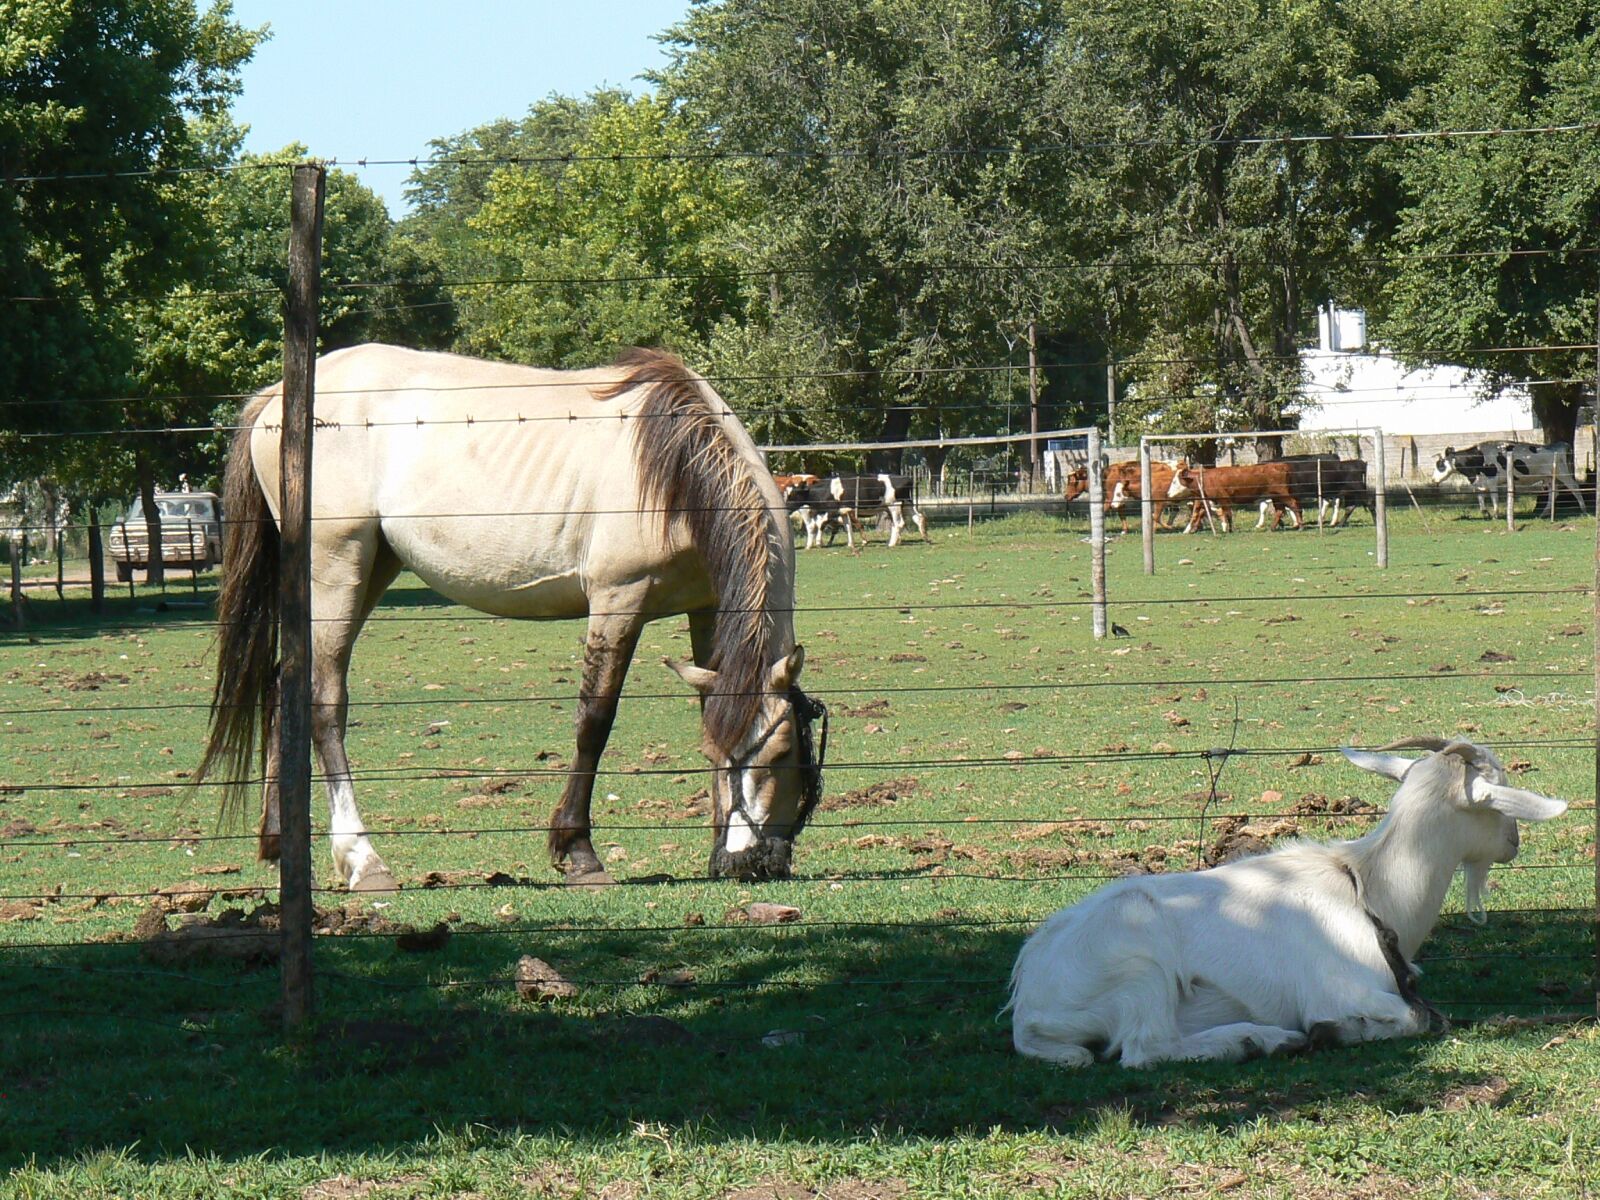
[
  {"x": 893, "y": 235},
  {"x": 1228, "y": 236},
  {"x": 110, "y": 91},
  {"x": 1520, "y": 63},
  {"x": 622, "y": 246},
  {"x": 221, "y": 333}
]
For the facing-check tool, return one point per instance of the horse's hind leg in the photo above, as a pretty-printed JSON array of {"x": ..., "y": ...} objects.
[
  {"x": 608, "y": 649},
  {"x": 267, "y": 838},
  {"x": 340, "y": 606}
]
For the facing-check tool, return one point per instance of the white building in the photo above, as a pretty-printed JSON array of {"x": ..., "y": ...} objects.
[{"x": 1350, "y": 383}]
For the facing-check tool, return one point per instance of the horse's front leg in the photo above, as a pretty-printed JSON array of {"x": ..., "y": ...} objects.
[{"x": 608, "y": 649}]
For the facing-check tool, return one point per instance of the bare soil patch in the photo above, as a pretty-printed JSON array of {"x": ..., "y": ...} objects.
[
  {"x": 884, "y": 793},
  {"x": 1237, "y": 837},
  {"x": 872, "y": 708},
  {"x": 1493, "y": 1092}
]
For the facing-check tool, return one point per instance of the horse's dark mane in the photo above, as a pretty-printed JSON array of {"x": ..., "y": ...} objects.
[{"x": 689, "y": 469}]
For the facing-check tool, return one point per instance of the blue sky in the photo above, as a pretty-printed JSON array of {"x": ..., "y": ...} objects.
[{"x": 380, "y": 78}]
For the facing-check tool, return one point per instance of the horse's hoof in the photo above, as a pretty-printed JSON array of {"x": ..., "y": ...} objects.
[
  {"x": 376, "y": 880},
  {"x": 596, "y": 878}
]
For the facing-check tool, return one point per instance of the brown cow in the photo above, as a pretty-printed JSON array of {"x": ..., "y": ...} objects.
[
  {"x": 1221, "y": 488},
  {"x": 1122, "y": 485},
  {"x": 787, "y": 483}
]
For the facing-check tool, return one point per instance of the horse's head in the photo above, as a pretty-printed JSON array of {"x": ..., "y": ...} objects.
[{"x": 766, "y": 787}]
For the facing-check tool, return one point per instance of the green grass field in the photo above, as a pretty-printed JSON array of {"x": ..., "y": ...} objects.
[{"x": 989, "y": 762}]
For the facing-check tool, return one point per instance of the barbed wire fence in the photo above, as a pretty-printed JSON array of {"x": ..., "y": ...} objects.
[{"x": 295, "y": 894}]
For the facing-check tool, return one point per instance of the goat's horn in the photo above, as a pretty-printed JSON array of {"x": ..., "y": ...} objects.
[
  {"x": 1465, "y": 751},
  {"x": 1420, "y": 743}
]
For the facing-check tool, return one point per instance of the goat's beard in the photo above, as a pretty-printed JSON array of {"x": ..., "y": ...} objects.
[{"x": 1477, "y": 877}]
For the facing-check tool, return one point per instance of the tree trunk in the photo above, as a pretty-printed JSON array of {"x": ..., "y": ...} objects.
[
  {"x": 936, "y": 456},
  {"x": 895, "y": 428},
  {"x": 1555, "y": 408},
  {"x": 97, "y": 562},
  {"x": 1269, "y": 449},
  {"x": 155, "y": 569}
]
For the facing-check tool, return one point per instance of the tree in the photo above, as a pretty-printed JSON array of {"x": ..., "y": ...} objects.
[
  {"x": 890, "y": 233},
  {"x": 449, "y": 191},
  {"x": 1228, "y": 233},
  {"x": 87, "y": 216},
  {"x": 1473, "y": 203},
  {"x": 622, "y": 246},
  {"x": 219, "y": 333}
]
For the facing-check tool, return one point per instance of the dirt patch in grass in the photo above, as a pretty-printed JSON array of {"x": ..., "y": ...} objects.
[
  {"x": 251, "y": 937},
  {"x": 1151, "y": 860},
  {"x": 878, "y": 795},
  {"x": 1493, "y": 1092},
  {"x": 1237, "y": 837},
  {"x": 872, "y": 708},
  {"x": 347, "y": 1187},
  {"x": 839, "y": 1189},
  {"x": 1315, "y": 804}
]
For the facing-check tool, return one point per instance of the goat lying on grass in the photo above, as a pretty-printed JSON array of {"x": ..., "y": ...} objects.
[{"x": 1310, "y": 943}]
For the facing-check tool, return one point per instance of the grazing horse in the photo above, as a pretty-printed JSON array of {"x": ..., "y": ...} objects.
[{"x": 619, "y": 494}]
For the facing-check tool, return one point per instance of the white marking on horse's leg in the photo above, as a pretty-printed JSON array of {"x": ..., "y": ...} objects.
[
  {"x": 897, "y": 522},
  {"x": 353, "y": 856}
]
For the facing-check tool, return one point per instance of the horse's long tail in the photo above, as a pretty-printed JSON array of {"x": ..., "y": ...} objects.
[{"x": 247, "y": 626}]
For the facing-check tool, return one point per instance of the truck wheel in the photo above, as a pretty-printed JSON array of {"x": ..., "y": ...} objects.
[{"x": 124, "y": 572}]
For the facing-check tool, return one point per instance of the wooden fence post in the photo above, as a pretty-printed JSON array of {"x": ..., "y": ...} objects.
[
  {"x": 1380, "y": 501},
  {"x": 294, "y": 694},
  {"x": 1511, "y": 495},
  {"x": 1147, "y": 509},
  {"x": 1596, "y": 915},
  {"x": 1097, "y": 532}
]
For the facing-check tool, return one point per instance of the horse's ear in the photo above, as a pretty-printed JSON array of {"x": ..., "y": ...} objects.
[
  {"x": 700, "y": 679},
  {"x": 786, "y": 670}
]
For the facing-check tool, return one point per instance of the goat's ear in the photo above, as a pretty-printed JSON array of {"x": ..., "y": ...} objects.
[
  {"x": 1394, "y": 766},
  {"x": 1515, "y": 802}
]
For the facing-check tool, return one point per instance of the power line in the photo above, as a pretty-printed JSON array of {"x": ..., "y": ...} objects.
[
  {"x": 777, "y": 154},
  {"x": 1124, "y": 264}
]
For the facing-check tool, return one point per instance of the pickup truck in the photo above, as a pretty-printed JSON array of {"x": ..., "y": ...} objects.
[{"x": 191, "y": 533}]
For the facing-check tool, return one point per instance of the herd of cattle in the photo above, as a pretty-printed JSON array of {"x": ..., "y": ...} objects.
[
  {"x": 1290, "y": 485},
  {"x": 1332, "y": 486},
  {"x": 1325, "y": 482}
]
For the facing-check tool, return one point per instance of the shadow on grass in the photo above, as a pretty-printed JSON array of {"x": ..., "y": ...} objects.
[
  {"x": 827, "y": 1033},
  {"x": 50, "y": 619}
]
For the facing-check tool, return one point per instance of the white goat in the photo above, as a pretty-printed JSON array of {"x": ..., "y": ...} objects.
[{"x": 1308, "y": 943}]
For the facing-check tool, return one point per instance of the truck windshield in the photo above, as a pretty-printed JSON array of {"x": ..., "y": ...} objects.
[{"x": 173, "y": 508}]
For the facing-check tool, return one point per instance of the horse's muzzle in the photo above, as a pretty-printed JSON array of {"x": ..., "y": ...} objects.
[{"x": 767, "y": 859}]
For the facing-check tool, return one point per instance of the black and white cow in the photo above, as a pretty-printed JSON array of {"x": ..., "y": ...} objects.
[
  {"x": 850, "y": 500},
  {"x": 1534, "y": 469}
]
